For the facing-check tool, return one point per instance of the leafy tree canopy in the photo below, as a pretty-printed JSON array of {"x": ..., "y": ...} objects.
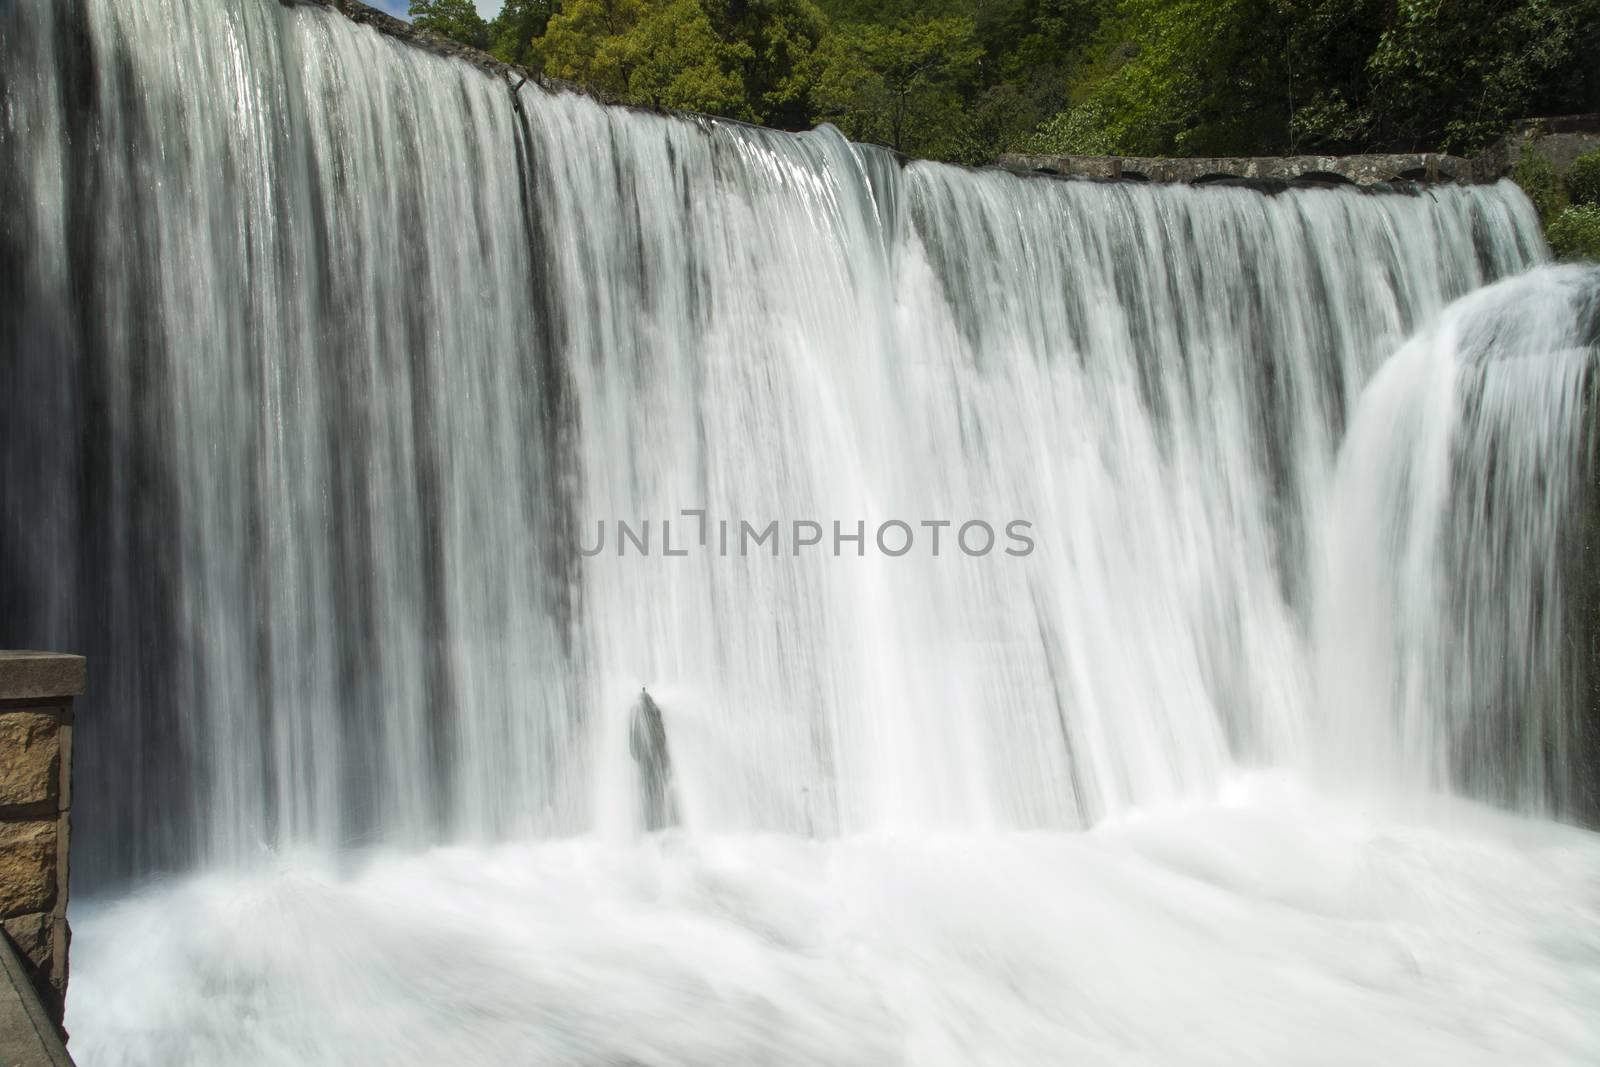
[
  {"x": 966, "y": 79},
  {"x": 1233, "y": 77},
  {"x": 743, "y": 59},
  {"x": 515, "y": 32},
  {"x": 456, "y": 19},
  {"x": 903, "y": 84}
]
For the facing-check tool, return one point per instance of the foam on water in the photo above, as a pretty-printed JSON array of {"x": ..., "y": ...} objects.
[{"x": 1266, "y": 927}]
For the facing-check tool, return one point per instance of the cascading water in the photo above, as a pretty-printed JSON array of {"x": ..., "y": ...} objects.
[
  {"x": 1456, "y": 630},
  {"x": 329, "y": 360}
]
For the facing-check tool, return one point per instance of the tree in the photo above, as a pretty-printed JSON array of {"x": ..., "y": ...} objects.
[
  {"x": 677, "y": 59},
  {"x": 902, "y": 84},
  {"x": 663, "y": 55},
  {"x": 1235, "y": 77},
  {"x": 1033, "y": 51},
  {"x": 1450, "y": 75},
  {"x": 744, "y": 59},
  {"x": 776, "y": 41},
  {"x": 965, "y": 79},
  {"x": 515, "y": 32},
  {"x": 456, "y": 19},
  {"x": 583, "y": 43},
  {"x": 1190, "y": 77}
]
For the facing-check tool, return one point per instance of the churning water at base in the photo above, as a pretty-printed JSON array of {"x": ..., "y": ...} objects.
[
  {"x": 333, "y": 356},
  {"x": 1264, "y": 927}
]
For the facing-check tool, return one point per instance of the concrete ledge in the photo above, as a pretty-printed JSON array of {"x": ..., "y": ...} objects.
[{"x": 1364, "y": 171}]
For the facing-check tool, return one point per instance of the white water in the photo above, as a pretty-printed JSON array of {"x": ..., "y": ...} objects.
[
  {"x": 1265, "y": 928},
  {"x": 1450, "y": 626},
  {"x": 333, "y": 357}
]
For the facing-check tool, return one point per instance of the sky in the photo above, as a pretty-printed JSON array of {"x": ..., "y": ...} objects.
[{"x": 487, "y": 8}]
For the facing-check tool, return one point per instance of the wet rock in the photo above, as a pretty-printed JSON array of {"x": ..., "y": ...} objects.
[{"x": 647, "y": 741}]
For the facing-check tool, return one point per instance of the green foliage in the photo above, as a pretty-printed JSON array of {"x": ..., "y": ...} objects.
[
  {"x": 1326, "y": 80},
  {"x": 775, "y": 41},
  {"x": 901, "y": 84},
  {"x": 678, "y": 60},
  {"x": 586, "y": 42},
  {"x": 514, "y": 33},
  {"x": 1086, "y": 129},
  {"x": 457, "y": 19},
  {"x": 1201, "y": 77},
  {"x": 1171, "y": 76},
  {"x": 1538, "y": 178},
  {"x": 1575, "y": 233},
  {"x": 964, "y": 80},
  {"x": 1034, "y": 48},
  {"x": 1583, "y": 179},
  {"x": 1452, "y": 73},
  {"x": 743, "y": 60}
]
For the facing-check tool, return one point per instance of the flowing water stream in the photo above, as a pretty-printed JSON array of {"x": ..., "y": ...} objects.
[{"x": 1255, "y": 735}]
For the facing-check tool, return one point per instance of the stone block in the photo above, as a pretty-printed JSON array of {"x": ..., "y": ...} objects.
[
  {"x": 32, "y": 936},
  {"x": 28, "y": 862},
  {"x": 29, "y": 758}
]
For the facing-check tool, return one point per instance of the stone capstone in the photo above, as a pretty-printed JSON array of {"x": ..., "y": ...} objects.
[
  {"x": 40, "y": 675},
  {"x": 1362, "y": 170}
]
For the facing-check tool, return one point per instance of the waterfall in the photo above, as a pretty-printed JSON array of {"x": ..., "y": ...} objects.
[
  {"x": 332, "y": 358},
  {"x": 329, "y": 363},
  {"x": 1456, "y": 629}
]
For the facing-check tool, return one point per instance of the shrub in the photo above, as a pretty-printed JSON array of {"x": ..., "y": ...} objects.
[
  {"x": 1538, "y": 178},
  {"x": 1583, "y": 179},
  {"x": 1575, "y": 233}
]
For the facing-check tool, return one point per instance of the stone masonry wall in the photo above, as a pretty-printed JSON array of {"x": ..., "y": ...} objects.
[
  {"x": 36, "y": 693},
  {"x": 1561, "y": 140},
  {"x": 1362, "y": 170}
]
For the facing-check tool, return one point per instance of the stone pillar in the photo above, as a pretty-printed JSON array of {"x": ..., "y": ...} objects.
[{"x": 36, "y": 691}]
